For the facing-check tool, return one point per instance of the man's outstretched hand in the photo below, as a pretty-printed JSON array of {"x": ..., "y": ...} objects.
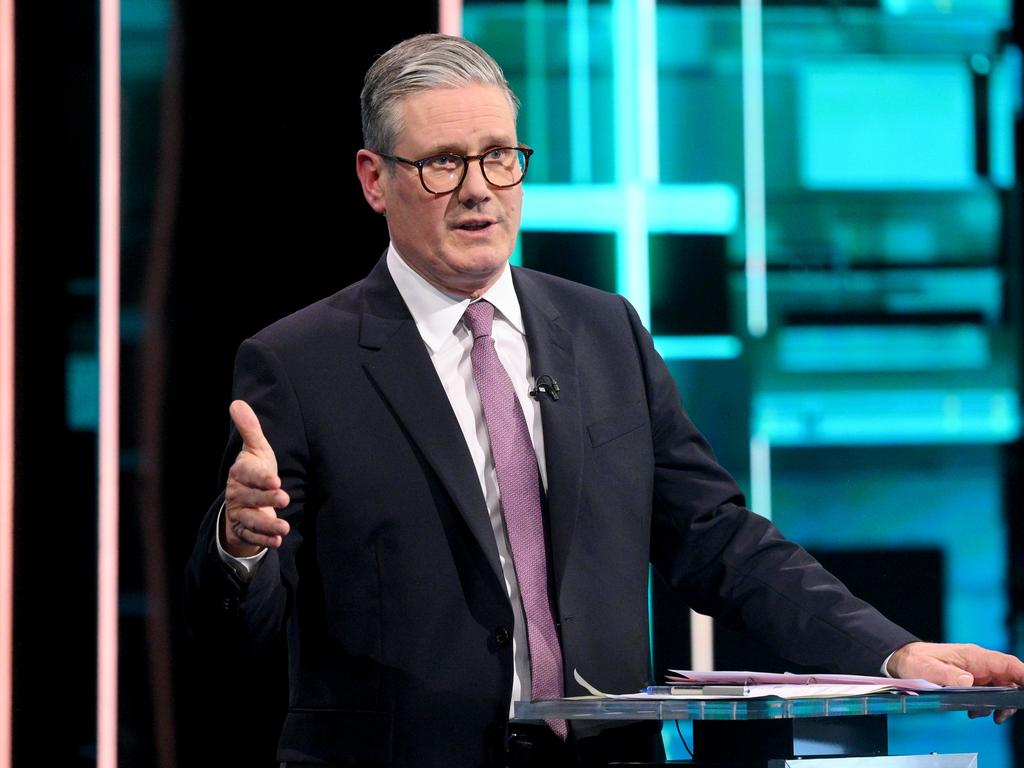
[
  {"x": 958, "y": 665},
  {"x": 253, "y": 491}
]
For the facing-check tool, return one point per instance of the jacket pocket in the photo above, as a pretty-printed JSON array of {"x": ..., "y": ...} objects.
[
  {"x": 618, "y": 424},
  {"x": 327, "y": 736}
]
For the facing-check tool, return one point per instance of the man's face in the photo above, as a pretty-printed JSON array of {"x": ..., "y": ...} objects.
[{"x": 458, "y": 241}]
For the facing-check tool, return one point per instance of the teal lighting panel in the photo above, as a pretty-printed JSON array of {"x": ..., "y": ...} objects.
[
  {"x": 1006, "y": 94},
  {"x": 865, "y": 416},
  {"x": 670, "y": 208},
  {"x": 996, "y": 10},
  {"x": 875, "y": 123},
  {"x": 698, "y": 347},
  {"x": 867, "y": 349},
  {"x": 82, "y": 391}
]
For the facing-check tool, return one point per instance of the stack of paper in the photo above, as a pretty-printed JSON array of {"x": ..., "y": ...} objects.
[
  {"x": 690, "y": 677},
  {"x": 687, "y": 684}
]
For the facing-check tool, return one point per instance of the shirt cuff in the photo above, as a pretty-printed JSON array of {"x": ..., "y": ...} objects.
[
  {"x": 244, "y": 567},
  {"x": 885, "y": 664}
]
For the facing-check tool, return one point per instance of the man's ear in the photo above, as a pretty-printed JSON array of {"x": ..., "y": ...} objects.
[{"x": 370, "y": 170}]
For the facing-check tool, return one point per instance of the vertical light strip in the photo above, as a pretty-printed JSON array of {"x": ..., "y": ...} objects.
[
  {"x": 753, "y": 168},
  {"x": 6, "y": 375},
  {"x": 449, "y": 17},
  {"x": 110, "y": 286},
  {"x": 629, "y": 275},
  {"x": 632, "y": 19},
  {"x": 646, "y": 52},
  {"x": 536, "y": 99},
  {"x": 636, "y": 150},
  {"x": 633, "y": 254},
  {"x": 702, "y": 642},
  {"x": 702, "y": 628},
  {"x": 581, "y": 158},
  {"x": 761, "y": 476},
  {"x": 624, "y": 67}
]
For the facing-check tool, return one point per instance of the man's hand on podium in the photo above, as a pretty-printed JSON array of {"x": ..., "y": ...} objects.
[{"x": 958, "y": 664}]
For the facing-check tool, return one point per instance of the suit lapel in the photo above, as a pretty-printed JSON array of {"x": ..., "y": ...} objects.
[
  {"x": 551, "y": 353},
  {"x": 405, "y": 376}
]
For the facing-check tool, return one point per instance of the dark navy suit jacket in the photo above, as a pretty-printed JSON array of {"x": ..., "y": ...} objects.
[{"x": 389, "y": 588}]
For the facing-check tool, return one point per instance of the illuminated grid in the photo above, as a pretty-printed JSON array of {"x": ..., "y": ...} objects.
[{"x": 825, "y": 386}]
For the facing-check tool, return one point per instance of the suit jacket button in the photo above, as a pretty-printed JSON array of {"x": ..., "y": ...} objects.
[{"x": 502, "y": 636}]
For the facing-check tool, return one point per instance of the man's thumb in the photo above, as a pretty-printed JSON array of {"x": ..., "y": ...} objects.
[
  {"x": 964, "y": 679},
  {"x": 248, "y": 425},
  {"x": 953, "y": 675}
]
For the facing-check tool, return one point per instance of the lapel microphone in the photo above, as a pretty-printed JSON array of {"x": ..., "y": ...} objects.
[{"x": 545, "y": 385}]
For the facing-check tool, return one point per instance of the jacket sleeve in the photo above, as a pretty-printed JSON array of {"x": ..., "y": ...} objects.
[
  {"x": 222, "y": 611},
  {"x": 729, "y": 563}
]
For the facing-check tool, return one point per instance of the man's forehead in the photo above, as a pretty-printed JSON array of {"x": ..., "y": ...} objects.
[{"x": 455, "y": 117}]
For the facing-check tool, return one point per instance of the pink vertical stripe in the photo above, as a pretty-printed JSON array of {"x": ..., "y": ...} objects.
[
  {"x": 110, "y": 287},
  {"x": 6, "y": 373},
  {"x": 449, "y": 17}
]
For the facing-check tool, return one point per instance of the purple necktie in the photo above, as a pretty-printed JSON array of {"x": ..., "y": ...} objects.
[{"x": 515, "y": 463}]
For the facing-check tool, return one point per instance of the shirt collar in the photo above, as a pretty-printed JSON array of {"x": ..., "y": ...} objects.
[{"x": 436, "y": 313}]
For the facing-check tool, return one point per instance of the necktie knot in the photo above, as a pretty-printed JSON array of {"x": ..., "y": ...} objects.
[{"x": 479, "y": 317}]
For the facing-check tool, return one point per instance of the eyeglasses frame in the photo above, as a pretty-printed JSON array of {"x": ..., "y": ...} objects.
[{"x": 466, "y": 159}]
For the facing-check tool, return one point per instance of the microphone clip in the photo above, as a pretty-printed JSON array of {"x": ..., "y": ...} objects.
[{"x": 545, "y": 385}]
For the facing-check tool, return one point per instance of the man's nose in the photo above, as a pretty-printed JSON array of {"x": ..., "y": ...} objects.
[{"x": 474, "y": 187}]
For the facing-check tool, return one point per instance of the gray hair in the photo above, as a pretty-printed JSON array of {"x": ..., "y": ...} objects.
[{"x": 418, "y": 64}]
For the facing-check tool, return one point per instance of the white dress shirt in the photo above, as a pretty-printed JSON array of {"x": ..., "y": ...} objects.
[{"x": 438, "y": 318}]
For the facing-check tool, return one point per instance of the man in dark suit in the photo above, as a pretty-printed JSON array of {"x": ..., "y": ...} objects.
[{"x": 474, "y": 466}]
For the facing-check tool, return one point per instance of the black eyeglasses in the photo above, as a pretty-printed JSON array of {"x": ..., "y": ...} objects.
[{"x": 502, "y": 167}]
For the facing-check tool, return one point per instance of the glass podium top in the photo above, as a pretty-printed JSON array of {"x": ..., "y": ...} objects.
[{"x": 770, "y": 708}]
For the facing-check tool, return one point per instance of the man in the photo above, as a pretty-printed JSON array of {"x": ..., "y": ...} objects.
[{"x": 473, "y": 467}]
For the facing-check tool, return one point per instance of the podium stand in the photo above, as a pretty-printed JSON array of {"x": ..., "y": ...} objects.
[{"x": 747, "y": 733}]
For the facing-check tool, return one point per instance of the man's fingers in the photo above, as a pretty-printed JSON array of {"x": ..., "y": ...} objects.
[
  {"x": 945, "y": 673},
  {"x": 245, "y": 536},
  {"x": 248, "y": 426},
  {"x": 246, "y": 523},
  {"x": 253, "y": 472},
  {"x": 1000, "y": 715},
  {"x": 239, "y": 494},
  {"x": 992, "y": 667},
  {"x": 1003, "y": 715}
]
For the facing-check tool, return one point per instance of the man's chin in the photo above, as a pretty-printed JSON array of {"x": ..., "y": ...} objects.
[
  {"x": 472, "y": 276},
  {"x": 479, "y": 262}
]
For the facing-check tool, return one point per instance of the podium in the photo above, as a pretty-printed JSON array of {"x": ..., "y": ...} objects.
[{"x": 772, "y": 733}]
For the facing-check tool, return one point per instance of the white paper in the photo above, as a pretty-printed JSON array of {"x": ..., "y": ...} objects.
[
  {"x": 787, "y": 678},
  {"x": 757, "y": 691}
]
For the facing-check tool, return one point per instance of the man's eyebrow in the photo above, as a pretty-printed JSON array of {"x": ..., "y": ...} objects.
[{"x": 490, "y": 143}]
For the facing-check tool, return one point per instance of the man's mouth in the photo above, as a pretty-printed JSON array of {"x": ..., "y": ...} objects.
[{"x": 474, "y": 226}]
